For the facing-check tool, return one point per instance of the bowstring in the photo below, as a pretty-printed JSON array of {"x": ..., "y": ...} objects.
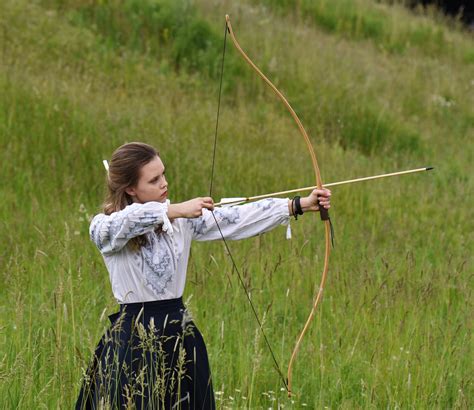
[
  {"x": 218, "y": 111},
  {"x": 277, "y": 367}
]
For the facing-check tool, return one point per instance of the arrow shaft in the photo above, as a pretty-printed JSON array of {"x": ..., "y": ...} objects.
[{"x": 310, "y": 188}]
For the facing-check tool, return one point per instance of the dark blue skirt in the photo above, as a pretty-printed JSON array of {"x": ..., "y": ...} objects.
[{"x": 151, "y": 357}]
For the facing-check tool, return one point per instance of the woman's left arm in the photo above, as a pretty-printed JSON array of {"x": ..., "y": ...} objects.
[
  {"x": 244, "y": 221},
  {"x": 239, "y": 221}
]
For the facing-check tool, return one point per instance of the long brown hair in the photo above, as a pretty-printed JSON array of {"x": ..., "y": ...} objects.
[{"x": 124, "y": 172}]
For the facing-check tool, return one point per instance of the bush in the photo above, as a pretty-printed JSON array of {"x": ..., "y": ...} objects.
[{"x": 165, "y": 29}]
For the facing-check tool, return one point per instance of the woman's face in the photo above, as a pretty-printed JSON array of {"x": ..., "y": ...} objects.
[{"x": 152, "y": 184}]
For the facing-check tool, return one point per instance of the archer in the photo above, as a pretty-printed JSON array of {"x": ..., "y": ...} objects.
[{"x": 153, "y": 355}]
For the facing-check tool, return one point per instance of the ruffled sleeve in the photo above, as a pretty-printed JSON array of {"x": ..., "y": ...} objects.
[
  {"x": 110, "y": 233},
  {"x": 240, "y": 221}
]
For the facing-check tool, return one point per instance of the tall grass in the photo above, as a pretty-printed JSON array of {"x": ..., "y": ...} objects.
[
  {"x": 394, "y": 327},
  {"x": 393, "y": 32}
]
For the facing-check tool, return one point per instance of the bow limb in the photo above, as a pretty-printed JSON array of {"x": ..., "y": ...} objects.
[{"x": 319, "y": 183}]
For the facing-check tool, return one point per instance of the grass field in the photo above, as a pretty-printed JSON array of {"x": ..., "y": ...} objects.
[{"x": 379, "y": 89}]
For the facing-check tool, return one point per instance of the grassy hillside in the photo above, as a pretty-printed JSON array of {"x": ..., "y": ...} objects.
[{"x": 379, "y": 90}]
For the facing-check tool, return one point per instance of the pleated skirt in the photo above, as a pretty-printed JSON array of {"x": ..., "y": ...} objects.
[{"x": 151, "y": 357}]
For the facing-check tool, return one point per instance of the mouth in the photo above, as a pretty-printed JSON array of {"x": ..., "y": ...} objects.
[{"x": 164, "y": 195}]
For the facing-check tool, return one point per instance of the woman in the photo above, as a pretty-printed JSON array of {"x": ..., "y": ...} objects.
[{"x": 153, "y": 356}]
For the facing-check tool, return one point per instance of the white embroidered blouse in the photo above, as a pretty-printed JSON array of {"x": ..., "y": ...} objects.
[{"x": 157, "y": 271}]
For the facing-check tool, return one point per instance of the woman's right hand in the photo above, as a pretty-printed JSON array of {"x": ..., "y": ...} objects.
[{"x": 190, "y": 209}]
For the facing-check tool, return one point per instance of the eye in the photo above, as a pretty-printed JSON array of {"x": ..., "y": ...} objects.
[{"x": 156, "y": 179}]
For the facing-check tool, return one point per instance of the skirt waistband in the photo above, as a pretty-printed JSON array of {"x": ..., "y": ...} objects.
[{"x": 158, "y": 306}]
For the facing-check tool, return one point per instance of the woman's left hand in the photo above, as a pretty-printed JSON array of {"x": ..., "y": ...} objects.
[{"x": 310, "y": 203}]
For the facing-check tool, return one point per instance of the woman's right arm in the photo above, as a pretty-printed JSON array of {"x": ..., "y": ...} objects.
[
  {"x": 111, "y": 232},
  {"x": 190, "y": 209}
]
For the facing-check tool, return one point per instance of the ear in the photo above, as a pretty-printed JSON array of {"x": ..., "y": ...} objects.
[{"x": 130, "y": 191}]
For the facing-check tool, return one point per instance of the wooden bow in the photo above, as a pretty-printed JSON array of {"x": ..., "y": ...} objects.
[{"x": 319, "y": 183}]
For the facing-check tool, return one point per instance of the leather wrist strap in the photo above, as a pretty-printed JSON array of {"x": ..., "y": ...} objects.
[{"x": 298, "y": 209}]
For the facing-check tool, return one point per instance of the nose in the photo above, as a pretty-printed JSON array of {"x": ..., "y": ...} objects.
[{"x": 164, "y": 183}]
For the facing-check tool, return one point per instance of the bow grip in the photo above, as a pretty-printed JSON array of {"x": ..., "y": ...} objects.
[{"x": 323, "y": 212}]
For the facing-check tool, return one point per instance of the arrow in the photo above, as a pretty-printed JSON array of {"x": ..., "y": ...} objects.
[{"x": 236, "y": 201}]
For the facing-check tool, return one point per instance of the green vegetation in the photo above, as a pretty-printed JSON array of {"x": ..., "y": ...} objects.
[
  {"x": 379, "y": 90},
  {"x": 391, "y": 31}
]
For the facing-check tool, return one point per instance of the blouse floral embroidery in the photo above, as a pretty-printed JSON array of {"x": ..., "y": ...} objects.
[{"x": 157, "y": 270}]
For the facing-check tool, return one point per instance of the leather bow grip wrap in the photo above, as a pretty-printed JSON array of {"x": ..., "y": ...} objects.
[{"x": 323, "y": 212}]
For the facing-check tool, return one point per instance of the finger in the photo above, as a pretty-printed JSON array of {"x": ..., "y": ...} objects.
[
  {"x": 322, "y": 192},
  {"x": 208, "y": 202},
  {"x": 324, "y": 199},
  {"x": 208, "y": 205}
]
